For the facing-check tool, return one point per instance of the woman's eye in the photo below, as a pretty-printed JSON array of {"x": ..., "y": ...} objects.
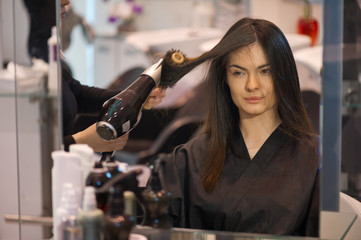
[
  {"x": 238, "y": 73},
  {"x": 266, "y": 71}
]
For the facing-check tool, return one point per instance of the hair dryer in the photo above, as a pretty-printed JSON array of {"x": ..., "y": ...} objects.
[{"x": 121, "y": 113}]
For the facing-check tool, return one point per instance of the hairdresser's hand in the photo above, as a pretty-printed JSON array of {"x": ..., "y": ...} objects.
[
  {"x": 90, "y": 136},
  {"x": 155, "y": 98}
]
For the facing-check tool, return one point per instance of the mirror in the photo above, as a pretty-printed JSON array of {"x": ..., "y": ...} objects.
[
  {"x": 134, "y": 46},
  {"x": 31, "y": 128},
  {"x": 31, "y": 123}
]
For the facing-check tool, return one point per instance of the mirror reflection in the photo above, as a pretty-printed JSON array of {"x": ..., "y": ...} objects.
[
  {"x": 147, "y": 40},
  {"x": 105, "y": 46},
  {"x": 31, "y": 127}
]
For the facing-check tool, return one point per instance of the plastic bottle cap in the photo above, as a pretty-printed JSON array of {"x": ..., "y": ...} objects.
[{"x": 89, "y": 201}]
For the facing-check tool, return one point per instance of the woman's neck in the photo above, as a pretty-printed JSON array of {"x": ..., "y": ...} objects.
[{"x": 256, "y": 130}]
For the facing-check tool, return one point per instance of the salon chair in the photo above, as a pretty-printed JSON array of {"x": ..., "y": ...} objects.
[
  {"x": 351, "y": 205},
  {"x": 185, "y": 123},
  {"x": 189, "y": 110},
  {"x": 177, "y": 132}
]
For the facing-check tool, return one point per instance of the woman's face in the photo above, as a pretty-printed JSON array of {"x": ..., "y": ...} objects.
[
  {"x": 250, "y": 82},
  {"x": 64, "y": 7}
]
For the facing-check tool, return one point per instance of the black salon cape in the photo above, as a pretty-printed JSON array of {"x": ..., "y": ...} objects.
[
  {"x": 274, "y": 193},
  {"x": 76, "y": 99}
]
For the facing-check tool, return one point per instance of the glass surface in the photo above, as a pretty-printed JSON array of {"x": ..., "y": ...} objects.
[
  {"x": 9, "y": 163},
  {"x": 30, "y": 128},
  {"x": 30, "y": 123},
  {"x": 341, "y": 222},
  {"x": 351, "y": 99},
  {"x": 38, "y": 129}
]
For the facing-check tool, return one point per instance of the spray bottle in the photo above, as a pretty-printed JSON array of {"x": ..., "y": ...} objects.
[
  {"x": 90, "y": 217},
  {"x": 71, "y": 229},
  {"x": 61, "y": 212}
]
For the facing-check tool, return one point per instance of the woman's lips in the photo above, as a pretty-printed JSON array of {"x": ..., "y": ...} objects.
[{"x": 253, "y": 99}]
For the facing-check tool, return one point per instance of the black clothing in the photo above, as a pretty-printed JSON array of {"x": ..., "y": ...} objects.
[
  {"x": 42, "y": 19},
  {"x": 271, "y": 194},
  {"x": 76, "y": 99}
]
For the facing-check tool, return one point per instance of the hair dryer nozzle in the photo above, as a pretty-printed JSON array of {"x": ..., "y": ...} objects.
[
  {"x": 154, "y": 71},
  {"x": 106, "y": 131}
]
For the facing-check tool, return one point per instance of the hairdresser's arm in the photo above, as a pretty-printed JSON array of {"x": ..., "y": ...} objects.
[
  {"x": 90, "y": 136},
  {"x": 91, "y": 99}
]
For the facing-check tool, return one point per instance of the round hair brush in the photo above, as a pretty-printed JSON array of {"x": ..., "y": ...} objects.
[{"x": 175, "y": 65}]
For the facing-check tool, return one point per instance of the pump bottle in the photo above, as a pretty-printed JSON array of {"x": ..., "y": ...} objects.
[
  {"x": 97, "y": 177},
  {"x": 112, "y": 166},
  {"x": 156, "y": 200},
  {"x": 117, "y": 224}
]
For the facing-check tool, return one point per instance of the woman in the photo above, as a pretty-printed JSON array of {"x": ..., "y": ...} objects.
[{"x": 255, "y": 167}]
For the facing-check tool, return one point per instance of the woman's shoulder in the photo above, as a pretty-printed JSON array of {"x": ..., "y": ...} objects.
[
  {"x": 199, "y": 142},
  {"x": 306, "y": 151},
  {"x": 192, "y": 151}
]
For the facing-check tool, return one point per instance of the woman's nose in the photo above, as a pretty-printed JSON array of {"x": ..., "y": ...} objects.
[{"x": 252, "y": 83}]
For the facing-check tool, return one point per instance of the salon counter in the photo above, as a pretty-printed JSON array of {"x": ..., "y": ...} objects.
[{"x": 194, "y": 234}]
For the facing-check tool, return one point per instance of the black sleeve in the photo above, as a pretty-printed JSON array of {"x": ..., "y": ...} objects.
[
  {"x": 67, "y": 141},
  {"x": 88, "y": 99}
]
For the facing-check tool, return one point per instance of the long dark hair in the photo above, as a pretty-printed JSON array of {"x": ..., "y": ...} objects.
[{"x": 223, "y": 115}]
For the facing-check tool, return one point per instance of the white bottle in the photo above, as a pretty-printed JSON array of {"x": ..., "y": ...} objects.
[
  {"x": 53, "y": 62},
  {"x": 90, "y": 217},
  {"x": 71, "y": 228},
  {"x": 66, "y": 169},
  {"x": 86, "y": 155},
  {"x": 61, "y": 212}
]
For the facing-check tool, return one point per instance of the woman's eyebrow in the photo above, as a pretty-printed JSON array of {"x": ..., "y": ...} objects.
[
  {"x": 245, "y": 69},
  {"x": 263, "y": 66},
  {"x": 237, "y": 66}
]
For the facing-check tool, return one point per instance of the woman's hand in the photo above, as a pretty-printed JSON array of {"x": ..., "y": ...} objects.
[
  {"x": 90, "y": 136},
  {"x": 155, "y": 98}
]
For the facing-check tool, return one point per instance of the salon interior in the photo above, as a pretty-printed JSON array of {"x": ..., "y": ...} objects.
[{"x": 109, "y": 43}]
